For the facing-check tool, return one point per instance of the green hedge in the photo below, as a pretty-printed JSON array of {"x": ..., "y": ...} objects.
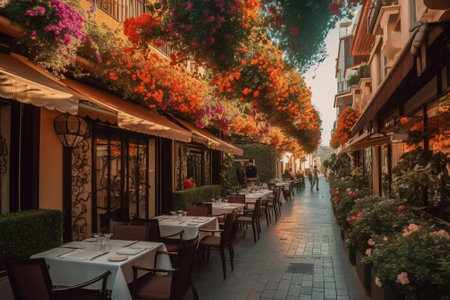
[
  {"x": 183, "y": 198},
  {"x": 265, "y": 157},
  {"x": 28, "y": 232}
]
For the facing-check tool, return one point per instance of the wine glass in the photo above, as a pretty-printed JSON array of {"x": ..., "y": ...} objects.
[{"x": 173, "y": 213}]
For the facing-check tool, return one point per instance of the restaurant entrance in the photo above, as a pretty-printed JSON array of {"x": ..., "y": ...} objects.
[{"x": 124, "y": 178}]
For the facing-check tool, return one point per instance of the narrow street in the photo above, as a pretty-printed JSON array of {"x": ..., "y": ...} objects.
[{"x": 299, "y": 257}]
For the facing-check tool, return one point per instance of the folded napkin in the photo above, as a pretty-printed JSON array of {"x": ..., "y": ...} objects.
[{"x": 130, "y": 251}]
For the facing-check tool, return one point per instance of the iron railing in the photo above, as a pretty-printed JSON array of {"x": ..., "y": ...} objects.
[{"x": 121, "y": 9}]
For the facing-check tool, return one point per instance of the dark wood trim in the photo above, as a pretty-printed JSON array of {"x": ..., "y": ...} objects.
[
  {"x": 166, "y": 175},
  {"x": 67, "y": 193},
  {"x": 29, "y": 157},
  {"x": 216, "y": 165},
  {"x": 14, "y": 158},
  {"x": 94, "y": 177}
]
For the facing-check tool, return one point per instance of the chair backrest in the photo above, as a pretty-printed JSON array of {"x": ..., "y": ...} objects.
[
  {"x": 153, "y": 232},
  {"x": 29, "y": 278},
  {"x": 130, "y": 232},
  {"x": 227, "y": 233},
  {"x": 257, "y": 209},
  {"x": 271, "y": 186},
  {"x": 183, "y": 263},
  {"x": 201, "y": 210},
  {"x": 276, "y": 198},
  {"x": 236, "y": 199}
]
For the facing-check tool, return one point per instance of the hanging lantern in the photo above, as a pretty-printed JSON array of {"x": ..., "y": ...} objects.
[{"x": 70, "y": 129}]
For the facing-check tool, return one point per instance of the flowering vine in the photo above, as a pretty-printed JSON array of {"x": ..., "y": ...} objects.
[{"x": 347, "y": 118}]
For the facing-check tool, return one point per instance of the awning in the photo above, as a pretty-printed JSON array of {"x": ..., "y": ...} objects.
[
  {"x": 130, "y": 116},
  {"x": 369, "y": 141},
  {"x": 20, "y": 82},
  {"x": 210, "y": 140}
]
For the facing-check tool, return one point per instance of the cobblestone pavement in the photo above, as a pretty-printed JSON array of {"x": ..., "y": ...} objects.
[{"x": 299, "y": 257}]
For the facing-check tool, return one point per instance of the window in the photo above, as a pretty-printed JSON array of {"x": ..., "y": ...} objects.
[
  {"x": 192, "y": 160},
  {"x": 122, "y": 9},
  {"x": 124, "y": 164}
]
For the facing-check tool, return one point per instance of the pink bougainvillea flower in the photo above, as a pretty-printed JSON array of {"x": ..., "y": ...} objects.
[
  {"x": 348, "y": 190},
  {"x": 190, "y": 5},
  {"x": 335, "y": 199},
  {"x": 403, "y": 278},
  {"x": 211, "y": 19},
  {"x": 295, "y": 30},
  {"x": 348, "y": 219},
  {"x": 401, "y": 208},
  {"x": 378, "y": 281},
  {"x": 354, "y": 194}
]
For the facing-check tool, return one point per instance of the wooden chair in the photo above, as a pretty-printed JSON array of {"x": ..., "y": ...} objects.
[
  {"x": 236, "y": 199},
  {"x": 154, "y": 286},
  {"x": 172, "y": 242},
  {"x": 221, "y": 242},
  {"x": 200, "y": 210},
  {"x": 251, "y": 217},
  {"x": 265, "y": 211},
  {"x": 30, "y": 280},
  {"x": 136, "y": 232}
]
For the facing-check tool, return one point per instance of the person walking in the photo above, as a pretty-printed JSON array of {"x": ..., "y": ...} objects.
[
  {"x": 315, "y": 175},
  {"x": 240, "y": 173}
]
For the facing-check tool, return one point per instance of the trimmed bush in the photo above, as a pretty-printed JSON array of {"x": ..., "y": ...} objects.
[
  {"x": 183, "y": 198},
  {"x": 25, "y": 233}
]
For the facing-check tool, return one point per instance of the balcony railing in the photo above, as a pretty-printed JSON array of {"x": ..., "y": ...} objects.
[
  {"x": 374, "y": 11},
  {"x": 121, "y": 9}
]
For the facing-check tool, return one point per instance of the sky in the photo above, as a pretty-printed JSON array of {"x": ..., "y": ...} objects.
[{"x": 323, "y": 85}]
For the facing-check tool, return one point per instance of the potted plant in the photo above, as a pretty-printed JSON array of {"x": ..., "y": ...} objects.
[
  {"x": 371, "y": 219},
  {"x": 414, "y": 262}
]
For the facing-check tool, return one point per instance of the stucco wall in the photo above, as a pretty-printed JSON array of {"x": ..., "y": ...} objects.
[{"x": 50, "y": 163}]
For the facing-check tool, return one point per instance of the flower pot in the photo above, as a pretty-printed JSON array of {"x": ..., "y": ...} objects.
[
  {"x": 379, "y": 293},
  {"x": 363, "y": 271},
  {"x": 350, "y": 251}
]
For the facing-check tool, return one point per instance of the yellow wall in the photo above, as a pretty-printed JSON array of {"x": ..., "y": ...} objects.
[{"x": 50, "y": 163}]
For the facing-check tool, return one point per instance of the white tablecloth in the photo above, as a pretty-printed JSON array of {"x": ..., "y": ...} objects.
[
  {"x": 169, "y": 225},
  {"x": 221, "y": 208},
  {"x": 253, "y": 196},
  {"x": 72, "y": 270}
]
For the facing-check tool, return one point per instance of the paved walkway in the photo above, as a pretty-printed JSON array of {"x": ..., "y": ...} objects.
[{"x": 299, "y": 257}]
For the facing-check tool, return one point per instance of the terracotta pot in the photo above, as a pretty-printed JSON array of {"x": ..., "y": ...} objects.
[
  {"x": 363, "y": 271},
  {"x": 379, "y": 293}
]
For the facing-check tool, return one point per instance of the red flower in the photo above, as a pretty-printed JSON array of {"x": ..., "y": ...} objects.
[
  {"x": 295, "y": 30},
  {"x": 353, "y": 218},
  {"x": 335, "y": 199},
  {"x": 348, "y": 219},
  {"x": 401, "y": 208},
  {"x": 360, "y": 214},
  {"x": 337, "y": 192}
]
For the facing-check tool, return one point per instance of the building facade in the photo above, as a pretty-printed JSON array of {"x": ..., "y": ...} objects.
[{"x": 405, "y": 44}]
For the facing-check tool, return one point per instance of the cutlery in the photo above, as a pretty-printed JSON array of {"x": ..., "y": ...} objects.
[{"x": 97, "y": 256}]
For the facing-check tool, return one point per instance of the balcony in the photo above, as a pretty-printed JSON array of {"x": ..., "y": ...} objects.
[
  {"x": 374, "y": 11},
  {"x": 121, "y": 9}
]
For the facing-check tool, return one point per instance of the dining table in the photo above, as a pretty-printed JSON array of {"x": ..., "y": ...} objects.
[
  {"x": 169, "y": 225},
  {"x": 225, "y": 207},
  {"x": 76, "y": 262}
]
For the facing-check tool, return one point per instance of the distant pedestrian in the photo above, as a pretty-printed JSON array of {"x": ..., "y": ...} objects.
[
  {"x": 328, "y": 174},
  {"x": 315, "y": 175},
  {"x": 251, "y": 172},
  {"x": 310, "y": 178}
]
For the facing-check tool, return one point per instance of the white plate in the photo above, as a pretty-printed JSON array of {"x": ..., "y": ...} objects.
[{"x": 118, "y": 258}]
